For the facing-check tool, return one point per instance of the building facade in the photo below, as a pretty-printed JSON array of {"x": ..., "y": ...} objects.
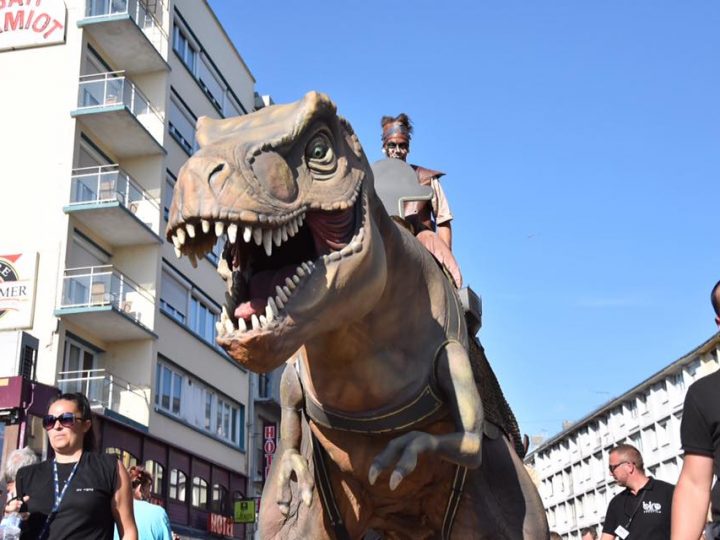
[
  {"x": 99, "y": 101},
  {"x": 570, "y": 469}
]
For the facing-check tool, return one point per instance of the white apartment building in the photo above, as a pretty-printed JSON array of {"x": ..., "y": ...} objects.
[
  {"x": 571, "y": 468},
  {"x": 99, "y": 100}
]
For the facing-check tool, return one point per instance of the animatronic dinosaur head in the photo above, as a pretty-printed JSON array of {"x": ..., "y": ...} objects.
[{"x": 291, "y": 187}]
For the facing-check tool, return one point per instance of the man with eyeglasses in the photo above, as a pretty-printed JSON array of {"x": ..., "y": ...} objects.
[
  {"x": 642, "y": 509},
  {"x": 700, "y": 437},
  {"x": 396, "y": 135}
]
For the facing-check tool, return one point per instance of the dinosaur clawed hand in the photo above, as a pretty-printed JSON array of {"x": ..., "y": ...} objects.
[
  {"x": 292, "y": 462},
  {"x": 404, "y": 452}
]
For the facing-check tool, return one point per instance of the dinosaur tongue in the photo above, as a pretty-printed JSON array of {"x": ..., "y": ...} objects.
[
  {"x": 261, "y": 286},
  {"x": 331, "y": 230}
]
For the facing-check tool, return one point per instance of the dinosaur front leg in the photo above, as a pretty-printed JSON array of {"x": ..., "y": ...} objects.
[
  {"x": 463, "y": 447},
  {"x": 291, "y": 460}
]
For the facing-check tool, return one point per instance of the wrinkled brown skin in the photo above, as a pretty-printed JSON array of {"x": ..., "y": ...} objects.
[{"x": 367, "y": 328}]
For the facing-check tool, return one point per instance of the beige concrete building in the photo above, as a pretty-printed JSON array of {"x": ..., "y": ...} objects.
[
  {"x": 571, "y": 468},
  {"x": 99, "y": 100}
]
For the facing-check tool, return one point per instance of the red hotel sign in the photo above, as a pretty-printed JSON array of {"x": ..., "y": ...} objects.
[
  {"x": 221, "y": 525},
  {"x": 29, "y": 23},
  {"x": 269, "y": 446}
]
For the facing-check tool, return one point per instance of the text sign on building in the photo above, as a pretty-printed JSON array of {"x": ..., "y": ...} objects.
[
  {"x": 31, "y": 23},
  {"x": 244, "y": 511},
  {"x": 220, "y": 525},
  {"x": 269, "y": 446},
  {"x": 17, "y": 290}
]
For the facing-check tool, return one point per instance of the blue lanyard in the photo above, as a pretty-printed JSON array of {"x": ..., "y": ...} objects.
[{"x": 58, "y": 495}]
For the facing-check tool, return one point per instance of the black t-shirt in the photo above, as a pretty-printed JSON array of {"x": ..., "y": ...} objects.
[
  {"x": 700, "y": 427},
  {"x": 649, "y": 511},
  {"x": 85, "y": 511}
]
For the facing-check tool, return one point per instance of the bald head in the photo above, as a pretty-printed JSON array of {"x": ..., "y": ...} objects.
[{"x": 715, "y": 299}]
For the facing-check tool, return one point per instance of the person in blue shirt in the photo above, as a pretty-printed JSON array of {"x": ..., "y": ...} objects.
[{"x": 152, "y": 520}]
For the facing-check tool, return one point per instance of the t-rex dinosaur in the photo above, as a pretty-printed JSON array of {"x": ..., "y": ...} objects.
[{"x": 383, "y": 428}]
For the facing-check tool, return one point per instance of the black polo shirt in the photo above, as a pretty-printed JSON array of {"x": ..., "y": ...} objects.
[
  {"x": 700, "y": 427},
  {"x": 645, "y": 515}
]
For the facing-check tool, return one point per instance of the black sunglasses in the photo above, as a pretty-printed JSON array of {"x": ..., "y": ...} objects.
[
  {"x": 613, "y": 467},
  {"x": 401, "y": 145},
  {"x": 67, "y": 419}
]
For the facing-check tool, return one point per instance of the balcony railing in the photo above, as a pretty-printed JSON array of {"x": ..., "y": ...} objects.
[
  {"x": 138, "y": 11},
  {"x": 109, "y": 183},
  {"x": 99, "y": 90},
  {"x": 96, "y": 286},
  {"x": 108, "y": 390}
]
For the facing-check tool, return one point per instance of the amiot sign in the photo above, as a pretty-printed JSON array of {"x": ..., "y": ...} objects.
[{"x": 31, "y": 23}]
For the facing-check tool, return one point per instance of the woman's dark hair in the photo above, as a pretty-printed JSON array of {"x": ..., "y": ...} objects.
[{"x": 83, "y": 406}]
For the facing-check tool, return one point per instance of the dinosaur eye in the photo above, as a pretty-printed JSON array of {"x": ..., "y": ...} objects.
[{"x": 320, "y": 156}]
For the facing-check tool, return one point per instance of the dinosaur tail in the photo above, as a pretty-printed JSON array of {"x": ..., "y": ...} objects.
[{"x": 497, "y": 409}]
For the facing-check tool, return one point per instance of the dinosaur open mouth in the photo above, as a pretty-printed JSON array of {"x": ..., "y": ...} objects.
[{"x": 266, "y": 262}]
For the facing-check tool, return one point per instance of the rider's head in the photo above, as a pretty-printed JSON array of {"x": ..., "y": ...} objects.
[
  {"x": 396, "y": 134},
  {"x": 715, "y": 299}
]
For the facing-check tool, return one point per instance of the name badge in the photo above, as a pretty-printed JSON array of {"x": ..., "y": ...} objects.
[{"x": 621, "y": 532}]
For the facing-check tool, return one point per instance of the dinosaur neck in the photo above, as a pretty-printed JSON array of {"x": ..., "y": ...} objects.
[{"x": 366, "y": 358}]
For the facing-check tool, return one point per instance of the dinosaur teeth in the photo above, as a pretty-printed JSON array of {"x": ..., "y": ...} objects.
[
  {"x": 180, "y": 235},
  {"x": 277, "y": 237},
  {"x": 190, "y": 230},
  {"x": 255, "y": 322},
  {"x": 219, "y": 228},
  {"x": 205, "y": 224},
  {"x": 247, "y": 233},
  {"x": 232, "y": 232},
  {"x": 257, "y": 235},
  {"x": 267, "y": 241},
  {"x": 178, "y": 253},
  {"x": 281, "y": 294}
]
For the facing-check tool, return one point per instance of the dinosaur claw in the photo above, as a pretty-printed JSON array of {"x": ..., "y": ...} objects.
[
  {"x": 395, "y": 479},
  {"x": 373, "y": 474}
]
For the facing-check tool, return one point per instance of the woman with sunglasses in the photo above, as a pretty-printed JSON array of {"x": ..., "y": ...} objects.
[{"x": 79, "y": 494}]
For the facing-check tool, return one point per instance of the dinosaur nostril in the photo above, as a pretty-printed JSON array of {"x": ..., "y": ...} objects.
[{"x": 214, "y": 173}]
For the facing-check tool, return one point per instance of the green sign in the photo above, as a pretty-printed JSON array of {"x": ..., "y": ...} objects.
[{"x": 245, "y": 511}]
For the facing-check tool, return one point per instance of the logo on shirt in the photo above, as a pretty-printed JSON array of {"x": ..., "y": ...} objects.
[{"x": 650, "y": 507}]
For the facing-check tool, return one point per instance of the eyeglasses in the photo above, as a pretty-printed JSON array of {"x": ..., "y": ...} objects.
[
  {"x": 394, "y": 145},
  {"x": 67, "y": 419},
  {"x": 613, "y": 467}
]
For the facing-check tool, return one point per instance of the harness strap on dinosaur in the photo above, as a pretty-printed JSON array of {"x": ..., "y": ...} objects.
[{"x": 327, "y": 497}]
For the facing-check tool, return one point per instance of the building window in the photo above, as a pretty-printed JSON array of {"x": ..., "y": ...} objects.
[
  {"x": 188, "y": 306},
  {"x": 219, "y": 500},
  {"x": 199, "y": 493},
  {"x": 168, "y": 194},
  {"x": 211, "y": 84},
  {"x": 178, "y": 482},
  {"x": 186, "y": 50},
  {"x": 157, "y": 471},
  {"x": 181, "y": 126},
  {"x": 168, "y": 389},
  {"x": 199, "y": 405},
  {"x": 216, "y": 252},
  {"x": 125, "y": 457},
  {"x": 202, "y": 320},
  {"x": 173, "y": 297}
]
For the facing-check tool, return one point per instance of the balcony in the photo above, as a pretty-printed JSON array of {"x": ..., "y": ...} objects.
[
  {"x": 109, "y": 202},
  {"x": 129, "y": 33},
  {"x": 114, "y": 109},
  {"x": 268, "y": 388},
  {"x": 106, "y": 303},
  {"x": 107, "y": 392}
]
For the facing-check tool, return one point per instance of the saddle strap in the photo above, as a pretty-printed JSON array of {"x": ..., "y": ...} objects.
[
  {"x": 327, "y": 497},
  {"x": 453, "y": 501}
]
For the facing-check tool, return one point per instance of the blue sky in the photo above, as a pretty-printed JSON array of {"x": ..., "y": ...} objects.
[{"x": 581, "y": 142}]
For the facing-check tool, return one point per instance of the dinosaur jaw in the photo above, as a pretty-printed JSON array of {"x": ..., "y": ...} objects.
[{"x": 275, "y": 270}]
